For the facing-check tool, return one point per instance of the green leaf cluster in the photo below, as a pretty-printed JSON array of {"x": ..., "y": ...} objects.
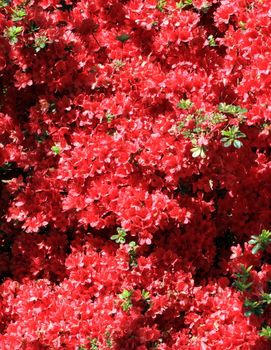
[
  {"x": 242, "y": 278},
  {"x": 253, "y": 307},
  {"x": 108, "y": 339},
  {"x": 198, "y": 151},
  {"x": 266, "y": 332},
  {"x": 161, "y": 4},
  {"x": 12, "y": 34},
  {"x": 120, "y": 236},
  {"x": 211, "y": 41},
  {"x": 56, "y": 150},
  {"x": 257, "y": 307},
  {"x": 33, "y": 27},
  {"x": 40, "y": 43},
  {"x": 123, "y": 37},
  {"x": 18, "y": 14},
  {"x": 132, "y": 254},
  {"x": 231, "y": 109},
  {"x": 184, "y": 104},
  {"x": 145, "y": 295},
  {"x": 109, "y": 117},
  {"x": 260, "y": 242},
  {"x": 118, "y": 64},
  {"x": 93, "y": 345},
  {"x": 232, "y": 136},
  {"x": 200, "y": 120},
  {"x": 126, "y": 297},
  {"x": 4, "y": 3},
  {"x": 182, "y": 4},
  {"x": 203, "y": 123},
  {"x": 42, "y": 137}
]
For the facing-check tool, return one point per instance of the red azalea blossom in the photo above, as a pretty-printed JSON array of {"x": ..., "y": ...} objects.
[{"x": 135, "y": 174}]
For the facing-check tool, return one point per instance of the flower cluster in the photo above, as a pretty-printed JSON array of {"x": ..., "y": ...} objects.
[{"x": 135, "y": 174}]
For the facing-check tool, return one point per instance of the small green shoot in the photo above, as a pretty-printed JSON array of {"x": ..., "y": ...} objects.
[
  {"x": 182, "y": 4},
  {"x": 12, "y": 34},
  {"x": 232, "y": 136},
  {"x": 161, "y": 4},
  {"x": 56, "y": 150},
  {"x": 265, "y": 332},
  {"x": 18, "y": 14},
  {"x": 126, "y": 297},
  {"x": 212, "y": 41},
  {"x": 198, "y": 151},
  {"x": 132, "y": 254},
  {"x": 120, "y": 236},
  {"x": 40, "y": 43},
  {"x": 242, "y": 277},
  {"x": 184, "y": 104},
  {"x": 4, "y": 3},
  {"x": 231, "y": 109},
  {"x": 123, "y": 37},
  {"x": 253, "y": 307},
  {"x": 109, "y": 117},
  {"x": 260, "y": 242}
]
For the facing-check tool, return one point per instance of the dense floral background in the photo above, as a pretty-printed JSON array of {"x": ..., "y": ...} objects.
[{"x": 135, "y": 170}]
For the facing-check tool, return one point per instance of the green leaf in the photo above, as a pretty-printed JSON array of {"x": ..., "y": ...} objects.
[
  {"x": 256, "y": 248},
  {"x": 217, "y": 118},
  {"x": 161, "y": 4},
  {"x": 196, "y": 151},
  {"x": 231, "y": 109},
  {"x": 242, "y": 286},
  {"x": 33, "y": 27},
  {"x": 55, "y": 149},
  {"x": 126, "y": 305},
  {"x": 123, "y": 37},
  {"x": 260, "y": 242},
  {"x": 133, "y": 244},
  {"x": 40, "y": 43},
  {"x": 211, "y": 40},
  {"x": 237, "y": 144},
  {"x": 266, "y": 332},
  {"x": 145, "y": 294},
  {"x": 185, "y": 104},
  {"x": 253, "y": 307},
  {"x": 114, "y": 237},
  {"x": 253, "y": 240},
  {"x": 12, "y": 33},
  {"x": 120, "y": 237},
  {"x": 109, "y": 117},
  {"x": 242, "y": 25},
  {"x": 232, "y": 134},
  {"x": 121, "y": 231},
  {"x": 132, "y": 254},
  {"x": 242, "y": 278},
  {"x": 228, "y": 143},
  {"x": 182, "y": 4},
  {"x": 126, "y": 297},
  {"x": 108, "y": 339},
  {"x": 125, "y": 294},
  {"x": 18, "y": 14},
  {"x": 4, "y": 3},
  {"x": 248, "y": 313},
  {"x": 266, "y": 298}
]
